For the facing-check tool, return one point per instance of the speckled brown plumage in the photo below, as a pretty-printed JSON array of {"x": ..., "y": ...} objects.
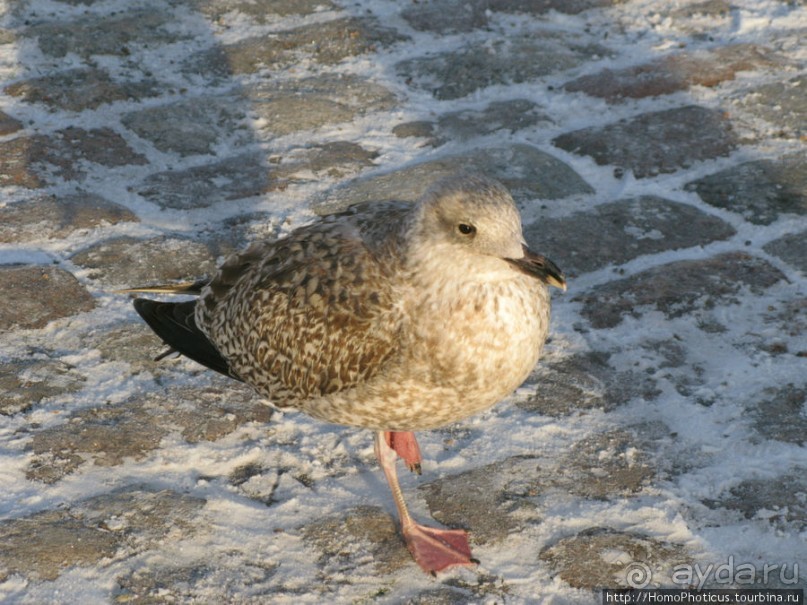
[{"x": 388, "y": 316}]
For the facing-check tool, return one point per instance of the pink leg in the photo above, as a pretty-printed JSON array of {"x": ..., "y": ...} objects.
[
  {"x": 406, "y": 446},
  {"x": 433, "y": 549}
]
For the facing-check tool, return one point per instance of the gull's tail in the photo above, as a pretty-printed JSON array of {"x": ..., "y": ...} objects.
[{"x": 175, "y": 323}]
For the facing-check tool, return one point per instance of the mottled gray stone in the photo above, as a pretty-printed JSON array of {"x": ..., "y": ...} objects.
[
  {"x": 132, "y": 262},
  {"x": 191, "y": 126},
  {"x": 308, "y": 103},
  {"x": 258, "y": 10},
  {"x": 447, "y": 16},
  {"x": 35, "y": 295},
  {"x": 790, "y": 248},
  {"x": 458, "y": 73},
  {"x": 605, "y": 465},
  {"x": 614, "y": 233},
  {"x": 25, "y": 383},
  {"x": 675, "y": 72},
  {"x": 584, "y": 382},
  {"x": 41, "y": 546},
  {"x": 528, "y": 172},
  {"x": 250, "y": 175},
  {"x": 783, "y": 104},
  {"x": 463, "y": 125},
  {"x": 760, "y": 190},
  {"x": 363, "y": 537},
  {"x": 781, "y": 413},
  {"x": 679, "y": 288},
  {"x": 8, "y": 125},
  {"x": 656, "y": 142},
  {"x": 162, "y": 580},
  {"x": 498, "y": 499},
  {"x": 106, "y": 34},
  {"x": 540, "y": 7},
  {"x": 49, "y": 216},
  {"x": 109, "y": 435},
  {"x": 80, "y": 89},
  {"x": 781, "y": 501},
  {"x": 491, "y": 501},
  {"x": 326, "y": 43},
  {"x": 32, "y": 161},
  {"x": 603, "y": 557}
]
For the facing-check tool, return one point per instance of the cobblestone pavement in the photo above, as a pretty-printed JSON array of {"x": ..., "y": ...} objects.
[{"x": 657, "y": 151}]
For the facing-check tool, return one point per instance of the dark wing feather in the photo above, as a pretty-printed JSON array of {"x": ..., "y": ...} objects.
[{"x": 175, "y": 324}]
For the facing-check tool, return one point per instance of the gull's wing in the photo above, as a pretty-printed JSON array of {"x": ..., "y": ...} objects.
[{"x": 308, "y": 315}]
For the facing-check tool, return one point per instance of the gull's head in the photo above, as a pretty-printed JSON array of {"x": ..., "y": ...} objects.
[{"x": 474, "y": 215}]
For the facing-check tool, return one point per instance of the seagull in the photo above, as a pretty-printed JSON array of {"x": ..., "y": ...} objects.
[{"x": 389, "y": 316}]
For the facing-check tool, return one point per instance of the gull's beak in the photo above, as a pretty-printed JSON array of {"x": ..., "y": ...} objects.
[{"x": 539, "y": 266}]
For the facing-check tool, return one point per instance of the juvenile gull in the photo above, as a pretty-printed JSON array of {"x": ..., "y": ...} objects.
[{"x": 388, "y": 316}]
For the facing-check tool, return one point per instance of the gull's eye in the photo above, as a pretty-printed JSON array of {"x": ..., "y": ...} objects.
[{"x": 466, "y": 229}]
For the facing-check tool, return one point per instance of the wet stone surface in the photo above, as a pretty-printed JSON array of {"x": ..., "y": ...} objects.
[
  {"x": 461, "y": 72},
  {"x": 675, "y": 72},
  {"x": 678, "y": 288},
  {"x": 463, "y": 125},
  {"x": 761, "y": 191},
  {"x": 527, "y": 172},
  {"x": 81, "y": 89},
  {"x": 132, "y": 262},
  {"x": 43, "y": 545},
  {"x": 26, "y": 383},
  {"x": 615, "y": 555},
  {"x": 655, "y": 143},
  {"x": 620, "y": 231},
  {"x": 43, "y": 216},
  {"x": 36, "y": 295}
]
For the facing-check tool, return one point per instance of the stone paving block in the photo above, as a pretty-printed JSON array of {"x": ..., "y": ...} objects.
[
  {"x": 606, "y": 465},
  {"x": 362, "y": 537},
  {"x": 25, "y": 383},
  {"x": 526, "y": 171},
  {"x": 43, "y": 545},
  {"x": 308, "y": 103},
  {"x": 619, "y": 231},
  {"x": 601, "y": 556},
  {"x": 498, "y": 499},
  {"x": 191, "y": 126},
  {"x": 106, "y": 34},
  {"x": 81, "y": 89},
  {"x": 29, "y": 161},
  {"x": 108, "y": 435},
  {"x": 782, "y": 104},
  {"x": 325, "y": 43},
  {"x": 8, "y": 125},
  {"x": 447, "y": 16},
  {"x": 679, "y": 288},
  {"x": 260, "y": 10},
  {"x": 676, "y": 72},
  {"x": 584, "y": 382},
  {"x": 656, "y": 142},
  {"x": 780, "y": 413},
  {"x": 512, "y": 115},
  {"x": 779, "y": 501},
  {"x": 163, "y": 580},
  {"x": 760, "y": 190},
  {"x": 36, "y": 295},
  {"x": 250, "y": 175},
  {"x": 49, "y": 216},
  {"x": 131, "y": 262},
  {"x": 458, "y": 73},
  {"x": 791, "y": 248}
]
